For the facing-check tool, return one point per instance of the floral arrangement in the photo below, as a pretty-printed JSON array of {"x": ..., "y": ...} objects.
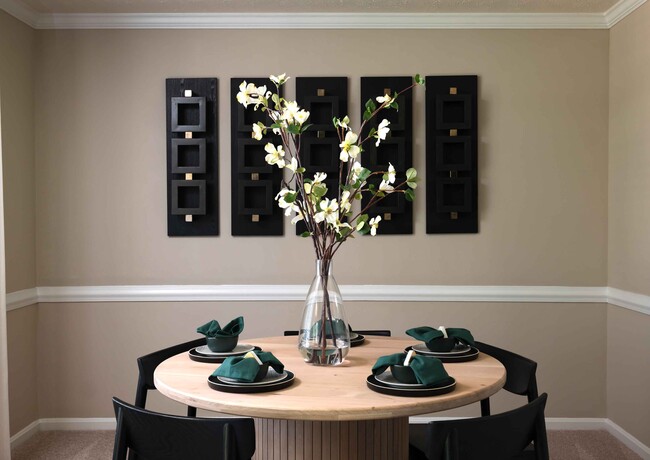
[{"x": 330, "y": 221}]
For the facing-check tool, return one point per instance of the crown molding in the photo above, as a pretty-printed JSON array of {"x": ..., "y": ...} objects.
[
  {"x": 620, "y": 10},
  {"x": 17, "y": 9},
  {"x": 324, "y": 21},
  {"x": 321, "y": 20}
]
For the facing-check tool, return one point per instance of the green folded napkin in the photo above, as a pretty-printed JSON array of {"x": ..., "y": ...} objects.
[
  {"x": 339, "y": 327},
  {"x": 427, "y": 369},
  {"x": 246, "y": 369},
  {"x": 213, "y": 329},
  {"x": 427, "y": 334}
]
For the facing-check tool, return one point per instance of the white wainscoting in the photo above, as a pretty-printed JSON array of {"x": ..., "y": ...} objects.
[{"x": 378, "y": 293}]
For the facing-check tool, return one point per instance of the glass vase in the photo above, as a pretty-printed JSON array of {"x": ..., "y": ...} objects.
[{"x": 329, "y": 345}]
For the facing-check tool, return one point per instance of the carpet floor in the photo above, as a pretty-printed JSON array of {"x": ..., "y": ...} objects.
[{"x": 98, "y": 445}]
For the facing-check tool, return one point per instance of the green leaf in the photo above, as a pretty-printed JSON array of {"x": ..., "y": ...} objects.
[
  {"x": 319, "y": 190},
  {"x": 300, "y": 171},
  {"x": 358, "y": 196},
  {"x": 371, "y": 106},
  {"x": 411, "y": 173},
  {"x": 346, "y": 188},
  {"x": 306, "y": 180},
  {"x": 367, "y": 115},
  {"x": 305, "y": 234},
  {"x": 290, "y": 197},
  {"x": 294, "y": 129},
  {"x": 365, "y": 173},
  {"x": 276, "y": 99},
  {"x": 372, "y": 132},
  {"x": 365, "y": 229},
  {"x": 419, "y": 80},
  {"x": 304, "y": 128},
  {"x": 380, "y": 194},
  {"x": 275, "y": 125},
  {"x": 411, "y": 184},
  {"x": 385, "y": 177},
  {"x": 372, "y": 187},
  {"x": 363, "y": 218},
  {"x": 409, "y": 194}
]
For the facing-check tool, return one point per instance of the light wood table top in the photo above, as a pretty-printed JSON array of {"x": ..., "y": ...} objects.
[{"x": 326, "y": 393}]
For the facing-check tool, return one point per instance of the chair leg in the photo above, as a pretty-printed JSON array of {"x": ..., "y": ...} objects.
[
  {"x": 191, "y": 411},
  {"x": 119, "y": 448},
  {"x": 485, "y": 407}
]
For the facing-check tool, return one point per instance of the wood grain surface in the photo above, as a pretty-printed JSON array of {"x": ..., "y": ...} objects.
[{"x": 326, "y": 393}]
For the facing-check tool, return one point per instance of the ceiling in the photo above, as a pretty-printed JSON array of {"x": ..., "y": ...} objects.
[{"x": 320, "y": 6}]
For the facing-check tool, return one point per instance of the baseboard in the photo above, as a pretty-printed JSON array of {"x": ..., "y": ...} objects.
[
  {"x": 556, "y": 423},
  {"x": 552, "y": 423},
  {"x": 24, "y": 434},
  {"x": 61, "y": 424}
]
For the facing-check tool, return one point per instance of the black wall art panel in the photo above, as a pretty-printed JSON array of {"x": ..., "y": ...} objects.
[
  {"x": 452, "y": 154},
  {"x": 254, "y": 182},
  {"x": 324, "y": 98},
  {"x": 397, "y": 149},
  {"x": 192, "y": 157}
]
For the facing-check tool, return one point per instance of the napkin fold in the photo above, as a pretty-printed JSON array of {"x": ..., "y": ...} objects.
[
  {"x": 246, "y": 369},
  {"x": 339, "y": 327},
  {"x": 427, "y": 369},
  {"x": 213, "y": 329},
  {"x": 427, "y": 334}
]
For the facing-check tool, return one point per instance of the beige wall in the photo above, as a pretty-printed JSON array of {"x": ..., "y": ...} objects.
[
  {"x": 16, "y": 80},
  {"x": 17, "y": 42},
  {"x": 100, "y": 164},
  {"x": 629, "y": 162},
  {"x": 628, "y": 371},
  {"x": 87, "y": 351},
  {"x": 628, "y": 333},
  {"x": 22, "y": 325}
]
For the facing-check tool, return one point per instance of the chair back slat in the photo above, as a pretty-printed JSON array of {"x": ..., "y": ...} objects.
[
  {"x": 501, "y": 436},
  {"x": 520, "y": 378},
  {"x": 167, "y": 437}
]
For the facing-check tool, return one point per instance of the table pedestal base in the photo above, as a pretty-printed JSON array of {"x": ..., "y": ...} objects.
[{"x": 386, "y": 439}]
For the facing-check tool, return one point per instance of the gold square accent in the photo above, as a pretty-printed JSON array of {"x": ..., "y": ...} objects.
[
  {"x": 388, "y": 216},
  {"x": 387, "y": 91},
  {"x": 453, "y": 90},
  {"x": 453, "y": 132},
  {"x": 453, "y": 174},
  {"x": 255, "y": 176},
  {"x": 320, "y": 92},
  {"x": 320, "y": 135},
  {"x": 188, "y": 135},
  {"x": 454, "y": 216},
  {"x": 188, "y": 218},
  {"x": 255, "y": 218},
  {"x": 188, "y": 176}
]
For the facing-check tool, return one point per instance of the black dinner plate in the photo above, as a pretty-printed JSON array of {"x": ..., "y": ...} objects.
[
  {"x": 227, "y": 387},
  {"x": 203, "y": 358},
  {"x": 358, "y": 340},
  {"x": 419, "y": 391},
  {"x": 469, "y": 355}
]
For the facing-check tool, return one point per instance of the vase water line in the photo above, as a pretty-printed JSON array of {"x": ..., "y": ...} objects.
[{"x": 326, "y": 345}]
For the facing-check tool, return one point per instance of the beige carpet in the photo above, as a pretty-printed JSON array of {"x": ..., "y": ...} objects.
[{"x": 98, "y": 445}]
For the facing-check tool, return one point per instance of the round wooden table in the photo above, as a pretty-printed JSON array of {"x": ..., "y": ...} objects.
[{"x": 328, "y": 412}]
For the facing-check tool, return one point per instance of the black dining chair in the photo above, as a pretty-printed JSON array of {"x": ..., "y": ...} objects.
[
  {"x": 376, "y": 332},
  {"x": 520, "y": 374},
  {"x": 147, "y": 365},
  {"x": 156, "y": 436},
  {"x": 500, "y": 437}
]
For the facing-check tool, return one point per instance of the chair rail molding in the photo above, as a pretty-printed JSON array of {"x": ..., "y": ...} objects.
[
  {"x": 320, "y": 20},
  {"x": 352, "y": 293}
]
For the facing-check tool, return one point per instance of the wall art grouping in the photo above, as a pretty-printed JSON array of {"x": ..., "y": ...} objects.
[
  {"x": 192, "y": 154},
  {"x": 192, "y": 160}
]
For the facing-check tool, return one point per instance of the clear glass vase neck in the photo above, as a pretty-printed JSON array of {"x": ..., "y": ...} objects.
[{"x": 324, "y": 267}]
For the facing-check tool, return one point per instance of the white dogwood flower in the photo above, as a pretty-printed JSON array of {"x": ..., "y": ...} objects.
[
  {"x": 356, "y": 171},
  {"x": 245, "y": 92},
  {"x": 374, "y": 223},
  {"x": 391, "y": 174},
  {"x": 386, "y": 187},
  {"x": 345, "y": 202},
  {"x": 349, "y": 149},
  {"x": 385, "y": 99},
  {"x": 280, "y": 79},
  {"x": 328, "y": 211},
  {"x": 257, "y": 131},
  {"x": 275, "y": 155},
  {"x": 382, "y": 131},
  {"x": 282, "y": 203},
  {"x": 301, "y": 116}
]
